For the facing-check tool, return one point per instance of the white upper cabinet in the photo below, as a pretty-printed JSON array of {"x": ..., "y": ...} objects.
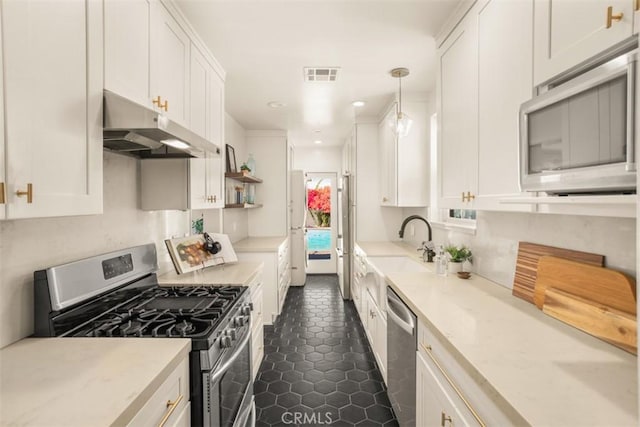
[
  {"x": 200, "y": 94},
  {"x": 404, "y": 176},
  {"x": 501, "y": 90},
  {"x": 207, "y": 109},
  {"x": 127, "y": 45},
  {"x": 170, "y": 62},
  {"x": 3, "y": 192},
  {"x": 458, "y": 116},
  {"x": 387, "y": 158},
  {"x": 53, "y": 79},
  {"x": 569, "y": 32}
]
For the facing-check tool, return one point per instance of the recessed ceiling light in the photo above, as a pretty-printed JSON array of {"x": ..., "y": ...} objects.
[
  {"x": 358, "y": 103},
  {"x": 317, "y": 141},
  {"x": 276, "y": 104}
]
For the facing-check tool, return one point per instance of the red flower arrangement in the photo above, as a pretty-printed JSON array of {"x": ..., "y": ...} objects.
[{"x": 319, "y": 205}]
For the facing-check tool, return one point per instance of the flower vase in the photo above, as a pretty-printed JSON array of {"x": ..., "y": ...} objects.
[{"x": 454, "y": 267}]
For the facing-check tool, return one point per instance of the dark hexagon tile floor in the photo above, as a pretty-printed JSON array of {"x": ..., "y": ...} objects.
[{"x": 318, "y": 367}]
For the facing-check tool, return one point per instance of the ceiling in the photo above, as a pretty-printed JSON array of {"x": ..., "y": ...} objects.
[{"x": 263, "y": 45}]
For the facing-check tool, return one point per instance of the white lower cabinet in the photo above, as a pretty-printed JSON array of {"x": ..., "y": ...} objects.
[
  {"x": 448, "y": 395},
  {"x": 372, "y": 311},
  {"x": 257, "y": 328},
  {"x": 276, "y": 279},
  {"x": 377, "y": 331},
  {"x": 169, "y": 405}
]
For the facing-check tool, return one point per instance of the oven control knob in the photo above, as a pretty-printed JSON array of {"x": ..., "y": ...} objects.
[
  {"x": 240, "y": 320},
  {"x": 246, "y": 310},
  {"x": 231, "y": 333},
  {"x": 225, "y": 341}
]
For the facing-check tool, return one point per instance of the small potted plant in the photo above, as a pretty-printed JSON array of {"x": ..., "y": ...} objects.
[
  {"x": 245, "y": 169},
  {"x": 457, "y": 256}
]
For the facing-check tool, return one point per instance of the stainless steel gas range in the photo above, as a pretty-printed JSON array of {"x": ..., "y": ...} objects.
[{"x": 117, "y": 295}]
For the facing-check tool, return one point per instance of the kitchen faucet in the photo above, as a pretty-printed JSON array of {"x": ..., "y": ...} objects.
[{"x": 427, "y": 247}]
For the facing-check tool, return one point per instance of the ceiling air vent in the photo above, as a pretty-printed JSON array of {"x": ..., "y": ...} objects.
[{"x": 320, "y": 74}]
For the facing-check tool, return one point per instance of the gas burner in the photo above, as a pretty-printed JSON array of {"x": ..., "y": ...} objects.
[
  {"x": 131, "y": 328},
  {"x": 184, "y": 327}
]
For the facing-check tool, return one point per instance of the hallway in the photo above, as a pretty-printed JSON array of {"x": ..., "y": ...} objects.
[{"x": 318, "y": 367}]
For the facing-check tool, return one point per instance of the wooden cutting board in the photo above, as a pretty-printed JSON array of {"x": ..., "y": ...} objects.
[
  {"x": 601, "y": 285},
  {"x": 608, "y": 324},
  {"x": 524, "y": 281}
]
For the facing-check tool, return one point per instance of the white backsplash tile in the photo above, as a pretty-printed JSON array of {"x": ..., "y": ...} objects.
[
  {"x": 495, "y": 243},
  {"x": 32, "y": 244}
]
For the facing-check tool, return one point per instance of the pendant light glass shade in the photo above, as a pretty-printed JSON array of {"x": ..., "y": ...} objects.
[{"x": 402, "y": 125}]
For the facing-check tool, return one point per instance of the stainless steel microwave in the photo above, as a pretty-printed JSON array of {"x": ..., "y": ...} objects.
[{"x": 579, "y": 136}]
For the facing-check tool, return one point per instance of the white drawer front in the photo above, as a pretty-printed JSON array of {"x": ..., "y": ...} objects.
[{"x": 168, "y": 402}]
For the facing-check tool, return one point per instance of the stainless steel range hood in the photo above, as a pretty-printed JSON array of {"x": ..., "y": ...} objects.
[{"x": 134, "y": 129}]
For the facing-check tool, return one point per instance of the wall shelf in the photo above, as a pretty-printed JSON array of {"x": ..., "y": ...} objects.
[
  {"x": 242, "y": 206},
  {"x": 243, "y": 177}
]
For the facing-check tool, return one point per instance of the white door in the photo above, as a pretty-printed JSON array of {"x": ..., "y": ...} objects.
[{"x": 321, "y": 223}]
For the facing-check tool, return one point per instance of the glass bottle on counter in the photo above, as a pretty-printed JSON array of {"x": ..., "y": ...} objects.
[{"x": 441, "y": 262}]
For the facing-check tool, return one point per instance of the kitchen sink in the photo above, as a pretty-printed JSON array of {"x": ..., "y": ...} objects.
[
  {"x": 383, "y": 265},
  {"x": 393, "y": 264}
]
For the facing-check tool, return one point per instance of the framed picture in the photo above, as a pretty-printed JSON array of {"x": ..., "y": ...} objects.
[{"x": 231, "y": 159}]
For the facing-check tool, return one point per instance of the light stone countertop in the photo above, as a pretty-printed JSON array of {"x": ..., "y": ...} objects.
[
  {"x": 83, "y": 381},
  {"x": 238, "y": 274},
  {"x": 551, "y": 373},
  {"x": 259, "y": 244}
]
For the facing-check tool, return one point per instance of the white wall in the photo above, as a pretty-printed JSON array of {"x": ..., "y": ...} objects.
[
  {"x": 318, "y": 159},
  {"x": 373, "y": 222},
  {"x": 32, "y": 244},
  {"x": 495, "y": 244},
  {"x": 236, "y": 220},
  {"x": 269, "y": 149}
]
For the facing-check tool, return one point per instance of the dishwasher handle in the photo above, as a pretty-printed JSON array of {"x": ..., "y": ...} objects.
[{"x": 399, "y": 312}]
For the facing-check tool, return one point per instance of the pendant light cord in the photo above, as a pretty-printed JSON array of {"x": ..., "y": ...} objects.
[{"x": 400, "y": 96}]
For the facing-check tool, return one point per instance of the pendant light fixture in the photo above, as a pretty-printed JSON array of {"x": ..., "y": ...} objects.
[{"x": 402, "y": 124}]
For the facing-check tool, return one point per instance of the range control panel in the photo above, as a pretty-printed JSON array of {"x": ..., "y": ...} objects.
[{"x": 117, "y": 266}]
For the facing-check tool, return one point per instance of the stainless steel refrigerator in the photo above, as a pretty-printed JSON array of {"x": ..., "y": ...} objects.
[
  {"x": 346, "y": 234},
  {"x": 297, "y": 233}
]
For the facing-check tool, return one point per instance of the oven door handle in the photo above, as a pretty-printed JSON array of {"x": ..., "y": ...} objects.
[{"x": 226, "y": 365}]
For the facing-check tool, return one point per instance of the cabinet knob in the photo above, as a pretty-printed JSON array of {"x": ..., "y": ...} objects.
[
  {"x": 3, "y": 200},
  {"x": 162, "y": 105},
  {"x": 385, "y": 200},
  {"x": 444, "y": 419},
  {"x": 613, "y": 17},
  {"x": 28, "y": 193},
  {"x": 468, "y": 197},
  {"x": 212, "y": 199}
]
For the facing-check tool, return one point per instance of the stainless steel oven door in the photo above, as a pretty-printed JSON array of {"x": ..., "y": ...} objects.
[{"x": 228, "y": 388}]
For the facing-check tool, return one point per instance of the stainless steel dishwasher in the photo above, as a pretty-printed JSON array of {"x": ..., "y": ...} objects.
[{"x": 402, "y": 333}]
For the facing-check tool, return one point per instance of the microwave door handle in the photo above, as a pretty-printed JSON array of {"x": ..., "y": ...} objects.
[
  {"x": 225, "y": 367},
  {"x": 631, "y": 107}
]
